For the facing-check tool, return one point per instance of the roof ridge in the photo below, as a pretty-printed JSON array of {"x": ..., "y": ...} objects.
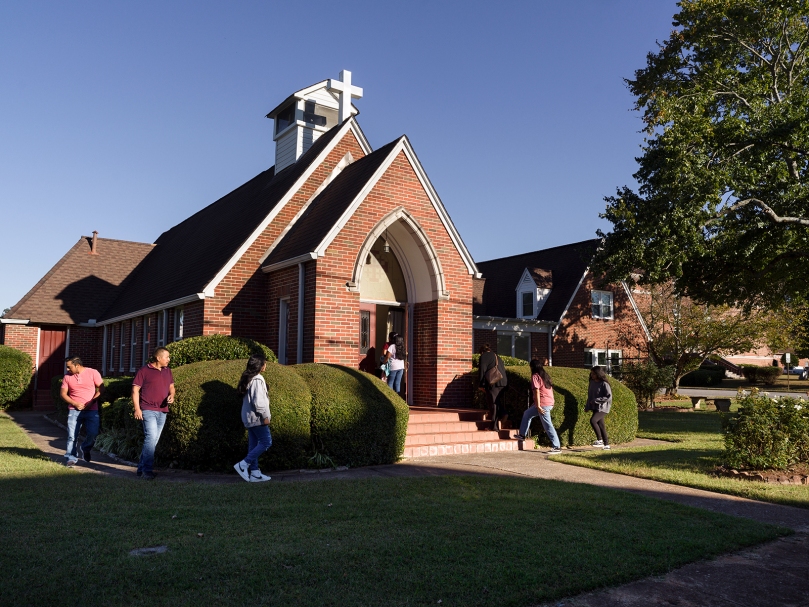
[
  {"x": 148, "y": 244},
  {"x": 561, "y": 246}
]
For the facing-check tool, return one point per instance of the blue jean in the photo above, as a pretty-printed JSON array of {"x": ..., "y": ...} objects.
[
  {"x": 259, "y": 440},
  {"x": 75, "y": 420},
  {"x": 153, "y": 422},
  {"x": 545, "y": 418},
  {"x": 395, "y": 379}
]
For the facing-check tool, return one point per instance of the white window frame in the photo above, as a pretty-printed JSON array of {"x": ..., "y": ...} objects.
[
  {"x": 162, "y": 326},
  {"x": 600, "y": 295},
  {"x": 133, "y": 343},
  {"x": 283, "y": 329},
  {"x": 122, "y": 329},
  {"x": 608, "y": 353},
  {"x": 111, "y": 350},
  {"x": 179, "y": 323},
  {"x": 521, "y": 313},
  {"x": 147, "y": 325}
]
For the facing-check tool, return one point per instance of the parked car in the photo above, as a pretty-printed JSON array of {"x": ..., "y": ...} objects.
[{"x": 794, "y": 371}]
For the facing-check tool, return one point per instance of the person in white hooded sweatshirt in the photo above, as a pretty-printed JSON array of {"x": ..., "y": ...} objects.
[{"x": 255, "y": 417}]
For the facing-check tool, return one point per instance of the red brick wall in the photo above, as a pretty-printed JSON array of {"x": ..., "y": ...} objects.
[
  {"x": 438, "y": 355},
  {"x": 579, "y": 330},
  {"x": 86, "y": 343},
  {"x": 484, "y": 336},
  {"x": 539, "y": 347},
  {"x": 283, "y": 284},
  {"x": 240, "y": 305},
  {"x": 22, "y": 337}
]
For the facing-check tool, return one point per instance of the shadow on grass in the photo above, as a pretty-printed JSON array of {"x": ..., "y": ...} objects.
[
  {"x": 25, "y": 452},
  {"x": 672, "y": 422},
  {"x": 686, "y": 460}
]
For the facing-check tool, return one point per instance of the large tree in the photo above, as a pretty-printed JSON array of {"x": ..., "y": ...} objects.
[{"x": 722, "y": 206}]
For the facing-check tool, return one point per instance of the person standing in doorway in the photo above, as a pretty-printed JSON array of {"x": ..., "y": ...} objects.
[
  {"x": 152, "y": 393},
  {"x": 542, "y": 403},
  {"x": 489, "y": 360},
  {"x": 255, "y": 417},
  {"x": 394, "y": 352},
  {"x": 81, "y": 388},
  {"x": 599, "y": 401}
]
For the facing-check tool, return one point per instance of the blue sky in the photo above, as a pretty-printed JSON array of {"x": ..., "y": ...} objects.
[{"x": 127, "y": 117}]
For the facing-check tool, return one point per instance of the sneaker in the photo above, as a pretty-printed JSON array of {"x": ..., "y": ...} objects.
[
  {"x": 606, "y": 447},
  {"x": 598, "y": 443},
  {"x": 87, "y": 457},
  {"x": 519, "y": 437},
  {"x": 257, "y": 477},
  {"x": 71, "y": 461},
  {"x": 149, "y": 476},
  {"x": 242, "y": 470},
  {"x": 555, "y": 450}
]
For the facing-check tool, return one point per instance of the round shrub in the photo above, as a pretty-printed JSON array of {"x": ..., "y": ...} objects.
[
  {"x": 571, "y": 421},
  {"x": 767, "y": 433},
  {"x": 356, "y": 419},
  {"x": 204, "y": 427},
  {"x": 215, "y": 347},
  {"x": 645, "y": 379},
  {"x": 16, "y": 373},
  {"x": 761, "y": 375},
  {"x": 508, "y": 361},
  {"x": 703, "y": 377}
]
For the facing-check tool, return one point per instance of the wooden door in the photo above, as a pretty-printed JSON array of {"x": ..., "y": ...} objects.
[
  {"x": 367, "y": 355},
  {"x": 51, "y": 364}
]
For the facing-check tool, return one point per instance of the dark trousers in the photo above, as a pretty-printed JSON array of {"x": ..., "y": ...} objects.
[
  {"x": 597, "y": 422},
  {"x": 493, "y": 400}
]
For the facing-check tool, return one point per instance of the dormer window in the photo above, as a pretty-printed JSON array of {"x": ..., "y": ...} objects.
[
  {"x": 284, "y": 118},
  {"x": 528, "y": 298}
]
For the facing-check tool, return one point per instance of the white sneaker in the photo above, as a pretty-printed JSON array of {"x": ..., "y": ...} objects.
[
  {"x": 257, "y": 477},
  {"x": 71, "y": 461},
  {"x": 606, "y": 447},
  {"x": 598, "y": 443},
  {"x": 241, "y": 468}
]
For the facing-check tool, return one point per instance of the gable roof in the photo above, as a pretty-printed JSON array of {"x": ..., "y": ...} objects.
[
  {"x": 189, "y": 258},
  {"x": 81, "y": 286},
  {"x": 558, "y": 268}
]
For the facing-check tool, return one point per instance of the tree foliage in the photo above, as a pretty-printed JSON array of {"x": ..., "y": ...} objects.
[{"x": 722, "y": 205}]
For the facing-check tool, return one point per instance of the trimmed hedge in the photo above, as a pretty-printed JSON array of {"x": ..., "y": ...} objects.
[
  {"x": 703, "y": 377},
  {"x": 571, "y": 421},
  {"x": 204, "y": 428},
  {"x": 767, "y": 433},
  {"x": 16, "y": 374},
  {"x": 508, "y": 361},
  {"x": 215, "y": 347},
  {"x": 356, "y": 419},
  {"x": 761, "y": 375}
]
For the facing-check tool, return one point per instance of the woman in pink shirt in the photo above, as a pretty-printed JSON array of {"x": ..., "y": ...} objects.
[{"x": 542, "y": 397}]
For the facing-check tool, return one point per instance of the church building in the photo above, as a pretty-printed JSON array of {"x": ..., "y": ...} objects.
[{"x": 319, "y": 257}]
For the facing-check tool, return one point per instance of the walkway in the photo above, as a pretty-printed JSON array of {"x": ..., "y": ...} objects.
[{"x": 776, "y": 573}]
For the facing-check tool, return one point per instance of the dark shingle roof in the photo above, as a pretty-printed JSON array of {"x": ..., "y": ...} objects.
[
  {"x": 324, "y": 211},
  {"x": 558, "y": 268},
  {"x": 81, "y": 286},
  {"x": 189, "y": 255}
]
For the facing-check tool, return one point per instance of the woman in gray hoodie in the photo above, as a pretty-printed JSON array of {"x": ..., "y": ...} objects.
[
  {"x": 255, "y": 417},
  {"x": 599, "y": 401}
]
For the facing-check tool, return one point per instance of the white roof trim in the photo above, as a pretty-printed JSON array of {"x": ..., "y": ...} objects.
[
  {"x": 348, "y": 125},
  {"x": 525, "y": 273},
  {"x": 288, "y": 263},
  {"x": 637, "y": 311},
  {"x": 570, "y": 302},
  {"x": 13, "y": 321},
  {"x": 403, "y": 145},
  {"x": 150, "y": 309}
]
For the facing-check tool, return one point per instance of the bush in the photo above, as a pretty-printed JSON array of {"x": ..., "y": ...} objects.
[
  {"x": 16, "y": 373},
  {"x": 508, "y": 361},
  {"x": 568, "y": 415},
  {"x": 759, "y": 375},
  {"x": 703, "y": 377},
  {"x": 204, "y": 428},
  {"x": 121, "y": 433},
  {"x": 645, "y": 380},
  {"x": 356, "y": 419},
  {"x": 114, "y": 388},
  {"x": 215, "y": 347},
  {"x": 767, "y": 433}
]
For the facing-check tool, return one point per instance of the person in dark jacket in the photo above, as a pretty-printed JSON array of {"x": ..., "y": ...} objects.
[
  {"x": 489, "y": 359},
  {"x": 599, "y": 401}
]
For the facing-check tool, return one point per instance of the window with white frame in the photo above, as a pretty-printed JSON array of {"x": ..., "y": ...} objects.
[
  {"x": 122, "y": 339},
  {"x": 602, "y": 304},
  {"x": 517, "y": 345},
  {"x": 147, "y": 338},
  {"x": 162, "y": 318},
  {"x": 283, "y": 330},
  {"x": 111, "y": 348},
  {"x": 530, "y": 298},
  {"x": 179, "y": 321},
  {"x": 609, "y": 359},
  {"x": 133, "y": 344}
]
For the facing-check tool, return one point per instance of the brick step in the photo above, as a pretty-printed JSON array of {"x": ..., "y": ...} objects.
[
  {"x": 467, "y": 447},
  {"x": 437, "y": 416},
  {"x": 434, "y": 438},
  {"x": 445, "y": 427}
]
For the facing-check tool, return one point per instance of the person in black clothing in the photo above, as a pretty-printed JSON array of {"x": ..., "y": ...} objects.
[{"x": 489, "y": 359}]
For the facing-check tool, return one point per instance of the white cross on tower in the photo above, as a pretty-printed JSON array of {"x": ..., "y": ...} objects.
[{"x": 347, "y": 93}]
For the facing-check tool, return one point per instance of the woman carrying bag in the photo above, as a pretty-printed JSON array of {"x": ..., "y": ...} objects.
[{"x": 492, "y": 381}]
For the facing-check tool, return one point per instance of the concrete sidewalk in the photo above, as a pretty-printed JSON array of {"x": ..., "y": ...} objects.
[{"x": 776, "y": 573}]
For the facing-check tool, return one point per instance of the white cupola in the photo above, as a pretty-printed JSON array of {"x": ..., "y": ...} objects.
[{"x": 304, "y": 116}]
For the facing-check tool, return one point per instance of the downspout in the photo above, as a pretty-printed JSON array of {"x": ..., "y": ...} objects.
[
  {"x": 301, "y": 275},
  {"x": 550, "y": 347}
]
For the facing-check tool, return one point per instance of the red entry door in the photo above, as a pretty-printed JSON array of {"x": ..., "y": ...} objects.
[
  {"x": 367, "y": 338},
  {"x": 51, "y": 364}
]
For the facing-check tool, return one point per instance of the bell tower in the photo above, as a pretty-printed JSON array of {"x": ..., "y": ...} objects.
[{"x": 305, "y": 115}]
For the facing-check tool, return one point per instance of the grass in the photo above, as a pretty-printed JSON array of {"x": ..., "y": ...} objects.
[
  {"x": 689, "y": 459},
  {"x": 66, "y": 537},
  {"x": 781, "y": 385}
]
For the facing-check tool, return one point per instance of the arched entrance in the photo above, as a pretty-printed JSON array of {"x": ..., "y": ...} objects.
[{"x": 396, "y": 268}]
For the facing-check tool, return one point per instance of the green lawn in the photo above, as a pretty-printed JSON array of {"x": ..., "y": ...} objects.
[
  {"x": 66, "y": 536},
  {"x": 690, "y": 459}
]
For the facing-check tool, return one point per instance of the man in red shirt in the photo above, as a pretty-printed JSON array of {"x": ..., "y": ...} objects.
[
  {"x": 81, "y": 388},
  {"x": 152, "y": 393}
]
